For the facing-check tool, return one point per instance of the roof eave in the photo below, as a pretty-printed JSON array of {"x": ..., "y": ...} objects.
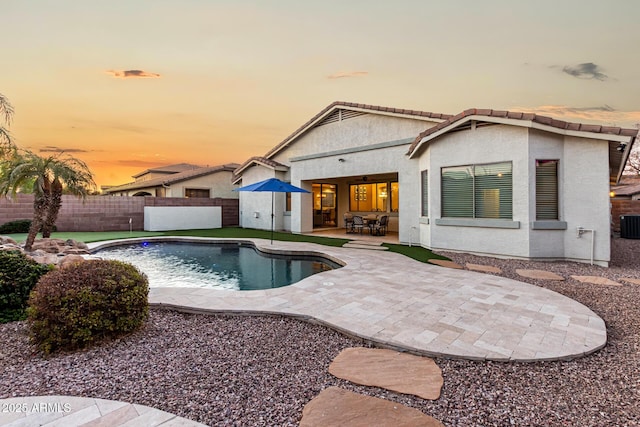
[
  {"x": 521, "y": 123},
  {"x": 347, "y": 106}
]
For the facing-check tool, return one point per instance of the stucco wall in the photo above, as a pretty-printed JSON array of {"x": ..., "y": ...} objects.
[
  {"x": 255, "y": 207},
  {"x": 165, "y": 218},
  {"x": 340, "y": 152},
  {"x": 585, "y": 191},
  {"x": 489, "y": 144},
  {"x": 583, "y": 179},
  {"x": 351, "y": 133}
]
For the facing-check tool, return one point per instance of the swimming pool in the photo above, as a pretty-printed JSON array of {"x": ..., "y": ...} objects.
[{"x": 231, "y": 266}]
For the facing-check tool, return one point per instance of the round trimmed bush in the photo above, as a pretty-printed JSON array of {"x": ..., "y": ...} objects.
[
  {"x": 84, "y": 303},
  {"x": 18, "y": 276}
]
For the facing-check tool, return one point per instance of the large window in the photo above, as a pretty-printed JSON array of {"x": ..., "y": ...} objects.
[
  {"x": 478, "y": 191},
  {"x": 374, "y": 197},
  {"x": 425, "y": 192},
  {"x": 546, "y": 189},
  {"x": 196, "y": 193}
]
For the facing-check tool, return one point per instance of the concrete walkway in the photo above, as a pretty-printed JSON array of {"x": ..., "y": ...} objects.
[
  {"x": 400, "y": 303},
  {"x": 69, "y": 411}
]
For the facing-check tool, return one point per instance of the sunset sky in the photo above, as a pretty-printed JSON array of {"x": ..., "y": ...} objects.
[{"x": 126, "y": 85}]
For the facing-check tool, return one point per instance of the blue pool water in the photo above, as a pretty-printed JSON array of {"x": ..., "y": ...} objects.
[{"x": 215, "y": 266}]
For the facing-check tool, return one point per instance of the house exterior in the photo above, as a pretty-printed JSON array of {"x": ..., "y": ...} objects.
[
  {"x": 180, "y": 180},
  {"x": 628, "y": 188},
  {"x": 488, "y": 182}
]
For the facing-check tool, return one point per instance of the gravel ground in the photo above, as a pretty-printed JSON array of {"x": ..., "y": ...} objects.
[{"x": 261, "y": 371}]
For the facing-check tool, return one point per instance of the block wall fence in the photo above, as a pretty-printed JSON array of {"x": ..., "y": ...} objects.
[
  {"x": 109, "y": 213},
  {"x": 620, "y": 207}
]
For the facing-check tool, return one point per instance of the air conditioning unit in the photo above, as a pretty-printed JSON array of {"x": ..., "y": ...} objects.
[{"x": 630, "y": 226}]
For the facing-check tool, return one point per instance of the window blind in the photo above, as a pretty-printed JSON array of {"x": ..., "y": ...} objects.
[
  {"x": 546, "y": 189},
  {"x": 425, "y": 193}
]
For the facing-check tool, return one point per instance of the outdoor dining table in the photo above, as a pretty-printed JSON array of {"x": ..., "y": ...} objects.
[{"x": 370, "y": 221}]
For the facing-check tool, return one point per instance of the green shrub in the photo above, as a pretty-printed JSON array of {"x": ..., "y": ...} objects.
[
  {"x": 18, "y": 275},
  {"x": 18, "y": 226},
  {"x": 84, "y": 303}
]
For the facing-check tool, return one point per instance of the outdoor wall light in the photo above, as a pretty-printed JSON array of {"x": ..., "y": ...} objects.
[
  {"x": 621, "y": 147},
  {"x": 341, "y": 160}
]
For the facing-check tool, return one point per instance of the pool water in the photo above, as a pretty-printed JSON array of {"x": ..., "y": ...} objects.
[{"x": 229, "y": 266}]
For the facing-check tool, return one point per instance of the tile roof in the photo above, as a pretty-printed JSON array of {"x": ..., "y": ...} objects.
[
  {"x": 257, "y": 160},
  {"x": 352, "y": 105},
  {"x": 530, "y": 117},
  {"x": 178, "y": 167},
  {"x": 626, "y": 190},
  {"x": 176, "y": 177}
]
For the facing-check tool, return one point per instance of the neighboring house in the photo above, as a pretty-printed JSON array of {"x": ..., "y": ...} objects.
[
  {"x": 488, "y": 182},
  {"x": 628, "y": 188},
  {"x": 181, "y": 180}
]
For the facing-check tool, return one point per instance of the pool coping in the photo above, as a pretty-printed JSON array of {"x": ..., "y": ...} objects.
[{"x": 396, "y": 302}]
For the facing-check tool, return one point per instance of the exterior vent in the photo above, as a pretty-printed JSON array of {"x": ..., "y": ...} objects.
[
  {"x": 340, "y": 115},
  {"x": 630, "y": 226}
]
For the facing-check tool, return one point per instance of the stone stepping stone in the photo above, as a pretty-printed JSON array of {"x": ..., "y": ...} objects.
[
  {"x": 365, "y": 242},
  {"x": 483, "y": 268},
  {"x": 401, "y": 372},
  {"x": 539, "y": 274},
  {"x": 363, "y": 246},
  {"x": 337, "y": 407},
  {"x": 631, "y": 280},
  {"x": 596, "y": 280},
  {"x": 445, "y": 263}
]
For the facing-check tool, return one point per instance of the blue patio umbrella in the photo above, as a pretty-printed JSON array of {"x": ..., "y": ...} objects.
[{"x": 272, "y": 185}]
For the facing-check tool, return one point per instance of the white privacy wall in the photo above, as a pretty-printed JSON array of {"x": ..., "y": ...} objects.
[{"x": 165, "y": 218}]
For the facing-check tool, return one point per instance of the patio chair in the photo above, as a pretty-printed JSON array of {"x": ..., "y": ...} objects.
[
  {"x": 380, "y": 227},
  {"x": 358, "y": 224},
  {"x": 348, "y": 222}
]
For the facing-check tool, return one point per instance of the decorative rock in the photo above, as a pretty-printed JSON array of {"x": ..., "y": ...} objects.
[
  {"x": 596, "y": 280},
  {"x": 50, "y": 251},
  {"x": 483, "y": 268},
  {"x": 445, "y": 263},
  {"x": 69, "y": 260},
  {"x": 539, "y": 274},
  {"x": 45, "y": 259},
  {"x": 631, "y": 280},
  {"x": 6, "y": 240},
  {"x": 401, "y": 372},
  {"x": 76, "y": 251},
  {"x": 337, "y": 407}
]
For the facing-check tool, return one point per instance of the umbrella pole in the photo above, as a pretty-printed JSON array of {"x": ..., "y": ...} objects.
[{"x": 272, "y": 217}]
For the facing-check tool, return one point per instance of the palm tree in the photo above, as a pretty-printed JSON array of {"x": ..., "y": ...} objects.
[
  {"x": 49, "y": 176},
  {"x": 6, "y": 110}
]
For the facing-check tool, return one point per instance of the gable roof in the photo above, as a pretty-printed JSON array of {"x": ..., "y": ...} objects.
[
  {"x": 257, "y": 160},
  {"x": 168, "y": 169},
  {"x": 174, "y": 178},
  {"x": 615, "y": 135},
  {"x": 324, "y": 116}
]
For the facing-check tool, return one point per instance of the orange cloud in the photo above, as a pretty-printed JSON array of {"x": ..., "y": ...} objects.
[
  {"x": 341, "y": 75},
  {"x": 601, "y": 115},
  {"x": 132, "y": 74}
]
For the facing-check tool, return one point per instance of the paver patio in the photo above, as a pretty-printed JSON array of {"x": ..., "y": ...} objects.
[{"x": 401, "y": 303}]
